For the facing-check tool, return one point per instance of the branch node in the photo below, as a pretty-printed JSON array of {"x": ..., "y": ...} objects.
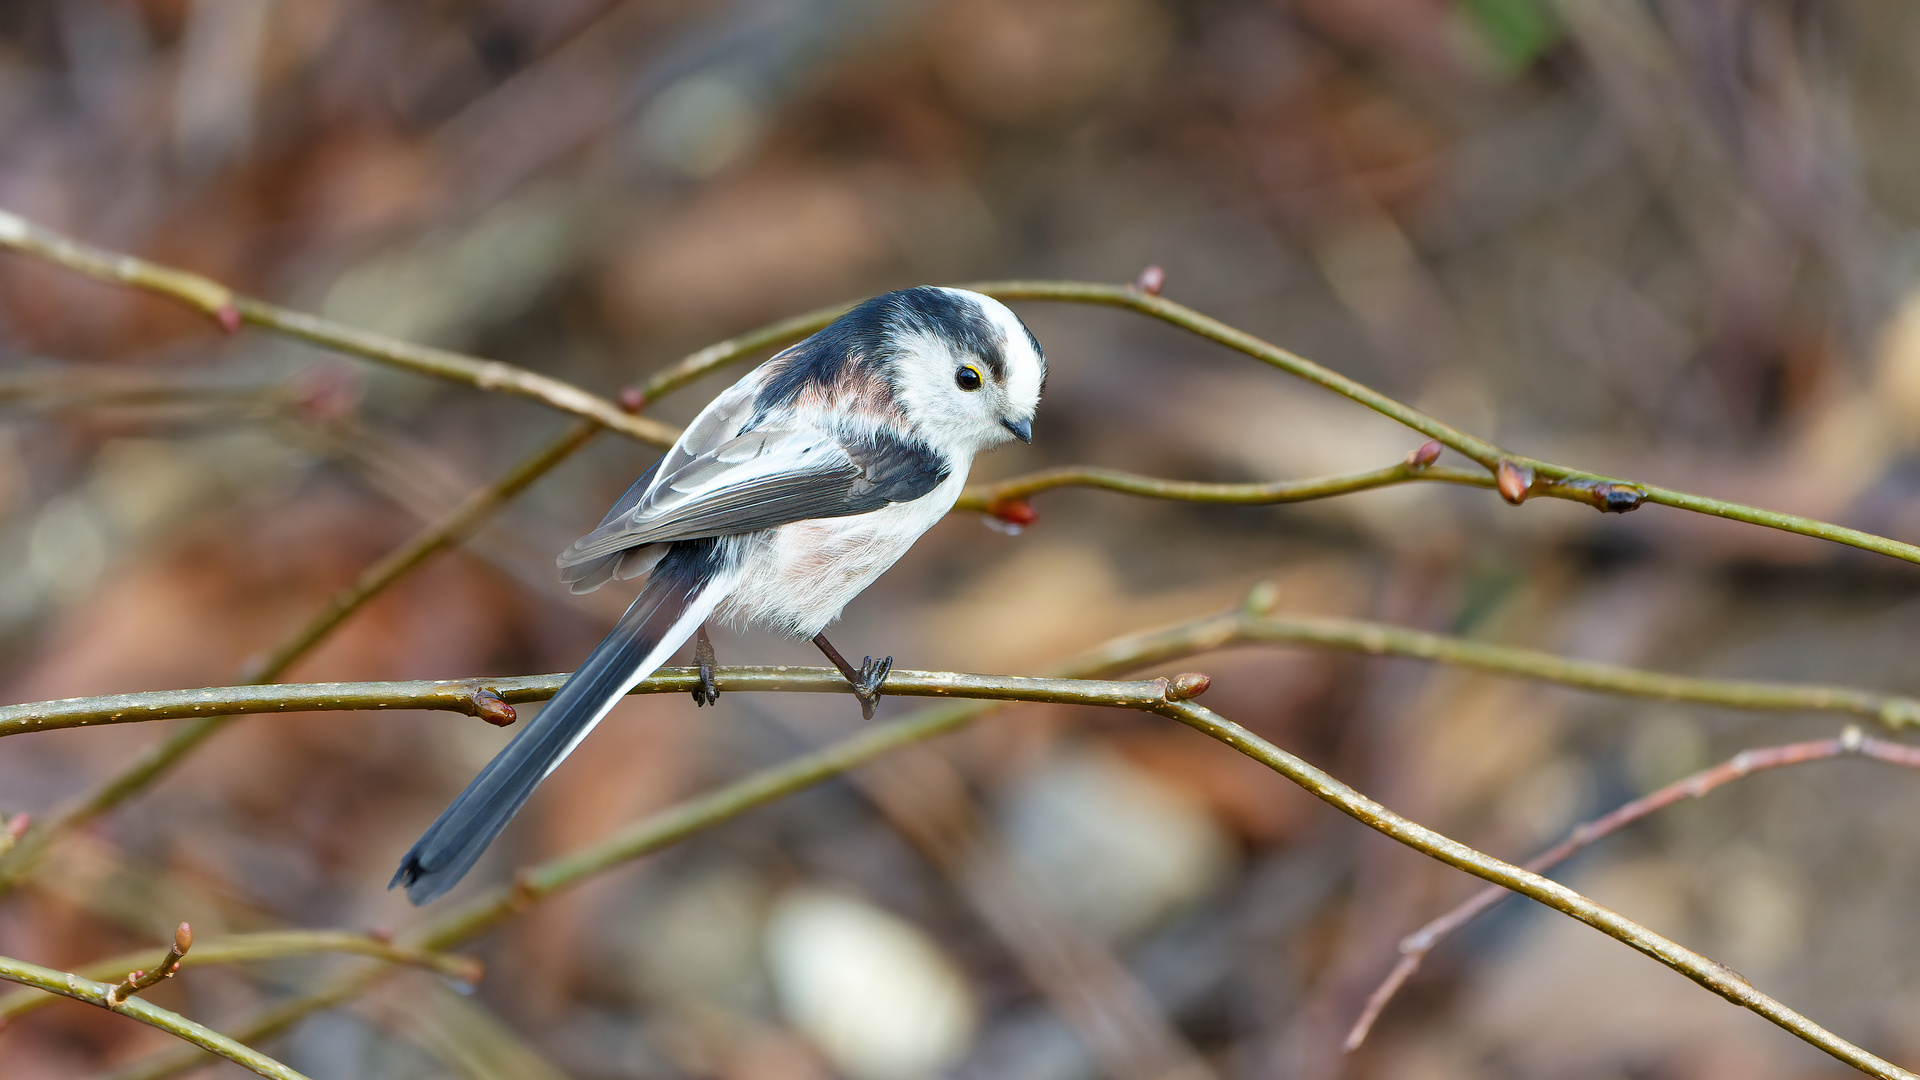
[
  {"x": 1852, "y": 739},
  {"x": 16, "y": 828},
  {"x": 631, "y": 400},
  {"x": 1427, "y": 454},
  {"x": 1151, "y": 280},
  {"x": 227, "y": 315}
]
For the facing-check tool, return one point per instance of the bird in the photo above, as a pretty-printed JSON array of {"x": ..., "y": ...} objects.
[{"x": 784, "y": 498}]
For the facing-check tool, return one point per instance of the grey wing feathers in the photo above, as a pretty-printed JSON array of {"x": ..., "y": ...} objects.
[{"x": 780, "y": 471}]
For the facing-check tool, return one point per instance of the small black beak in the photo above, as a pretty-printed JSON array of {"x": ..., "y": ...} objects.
[{"x": 1022, "y": 429}]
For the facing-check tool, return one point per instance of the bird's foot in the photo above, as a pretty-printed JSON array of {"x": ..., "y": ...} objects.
[
  {"x": 867, "y": 686},
  {"x": 706, "y": 693}
]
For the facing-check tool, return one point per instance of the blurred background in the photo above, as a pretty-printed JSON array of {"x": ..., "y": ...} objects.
[{"x": 1668, "y": 240}]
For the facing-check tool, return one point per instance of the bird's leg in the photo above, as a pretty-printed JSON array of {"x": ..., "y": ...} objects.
[
  {"x": 706, "y": 693},
  {"x": 866, "y": 680}
]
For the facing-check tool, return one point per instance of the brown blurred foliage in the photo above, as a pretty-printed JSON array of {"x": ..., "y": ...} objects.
[{"x": 1669, "y": 240}]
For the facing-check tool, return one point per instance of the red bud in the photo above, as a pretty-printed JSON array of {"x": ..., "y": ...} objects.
[
  {"x": 1428, "y": 453},
  {"x": 228, "y": 316},
  {"x": 1151, "y": 280},
  {"x": 1513, "y": 481},
  {"x": 1187, "y": 684},
  {"x": 489, "y": 706},
  {"x": 17, "y": 828},
  {"x": 631, "y": 400},
  {"x": 182, "y": 938},
  {"x": 1014, "y": 512}
]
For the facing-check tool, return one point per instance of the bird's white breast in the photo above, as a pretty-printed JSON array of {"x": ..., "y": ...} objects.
[{"x": 797, "y": 577}]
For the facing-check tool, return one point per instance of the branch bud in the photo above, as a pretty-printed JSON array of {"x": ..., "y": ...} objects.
[
  {"x": 182, "y": 938},
  {"x": 1263, "y": 598},
  {"x": 1151, "y": 280},
  {"x": 228, "y": 316},
  {"x": 1428, "y": 453},
  {"x": 1513, "y": 481},
  {"x": 1187, "y": 684},
  {"x": 1018, "y": 512},
  {"x": 631, "y": 400},
  {"x": 489, "y": 706}
]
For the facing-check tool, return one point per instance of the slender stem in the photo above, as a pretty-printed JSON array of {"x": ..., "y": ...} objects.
[
  {"x": 481, "y": 696},
  {"x": 1415, "y": 946},
  {"x": 230, "y": 309},
  {"x": 986, "y": 497},
  {"x": 1711, "y": 974},
  {"x": 269, "y": 945},
  {"x": 101, "y": 994}
]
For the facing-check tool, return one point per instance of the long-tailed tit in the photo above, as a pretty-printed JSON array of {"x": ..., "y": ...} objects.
[{"x": 789, "y": 494}]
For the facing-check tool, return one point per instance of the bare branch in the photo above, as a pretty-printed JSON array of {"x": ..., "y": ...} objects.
[
  {"x": 230, "y": 309},
  {"x": 1415, "y": 946},
  {"x": 103, "y": 995},
  {"x": 269, "y": 945},
  {"x": 492, "y": 698}
]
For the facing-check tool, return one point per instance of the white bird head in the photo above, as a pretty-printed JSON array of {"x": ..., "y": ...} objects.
[{"x": 966, "y": 372}]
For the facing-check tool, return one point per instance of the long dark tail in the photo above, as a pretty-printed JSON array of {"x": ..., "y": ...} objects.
[{"x": 680, "y": 596}]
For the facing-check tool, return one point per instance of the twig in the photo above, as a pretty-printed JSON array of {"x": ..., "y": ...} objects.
[
  {"x": 268, "y": 945},
  {"x": 1711, "y": 974},
  {"x": 1546, "y": 477},
  {"x": 230, "y": 309},
  {"x": 103, "y": 995},
  {"x": 1415, "y": 946},
  {"x": 485, "y": 697},
  {"x": 492, "y": 699},
  {"x": 137, "y": 981}
]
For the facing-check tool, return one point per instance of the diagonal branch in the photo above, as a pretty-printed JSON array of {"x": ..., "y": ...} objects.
[
  {"x": 1415, "y": 946},
  {"x": 102, "y": 995},
  {"x": 1711, "y": 974},
  {"x": 230, "y": 309}
]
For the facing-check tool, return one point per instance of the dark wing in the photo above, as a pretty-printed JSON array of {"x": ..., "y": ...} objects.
[{"x": 781, "y": 472}]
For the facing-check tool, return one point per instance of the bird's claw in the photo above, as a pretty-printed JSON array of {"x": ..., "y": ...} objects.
[
  {"x": 706, "y": 693},
  {"x": 867, "y": 688}
]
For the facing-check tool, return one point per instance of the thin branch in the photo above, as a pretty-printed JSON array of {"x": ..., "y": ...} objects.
[
  {"x": 169, "y": 966},
  {"x": 492, "y": 698},
  {"x": 1415, "y": 946},
  {"x": 1537, "y": 477},
  {"x": 483, "y": 696},
  {"x": 102, "y": 995},
  {"x": 992, "y": 498},
  {"x": 1711, "y": 974},
  {"x": 230, "y": 309},
  {"x": 269, "y": 945}
]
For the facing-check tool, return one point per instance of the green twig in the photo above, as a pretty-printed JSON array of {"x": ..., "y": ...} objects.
[
  {"x": 483, "y": 696},
  {"x": 229, "y": 309},
  {"x": 102, "y": 995},
  {"x": 269, "y": 945}
]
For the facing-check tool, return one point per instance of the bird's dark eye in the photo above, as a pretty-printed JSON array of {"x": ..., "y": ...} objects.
[{"x": 967, "y": 378}]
